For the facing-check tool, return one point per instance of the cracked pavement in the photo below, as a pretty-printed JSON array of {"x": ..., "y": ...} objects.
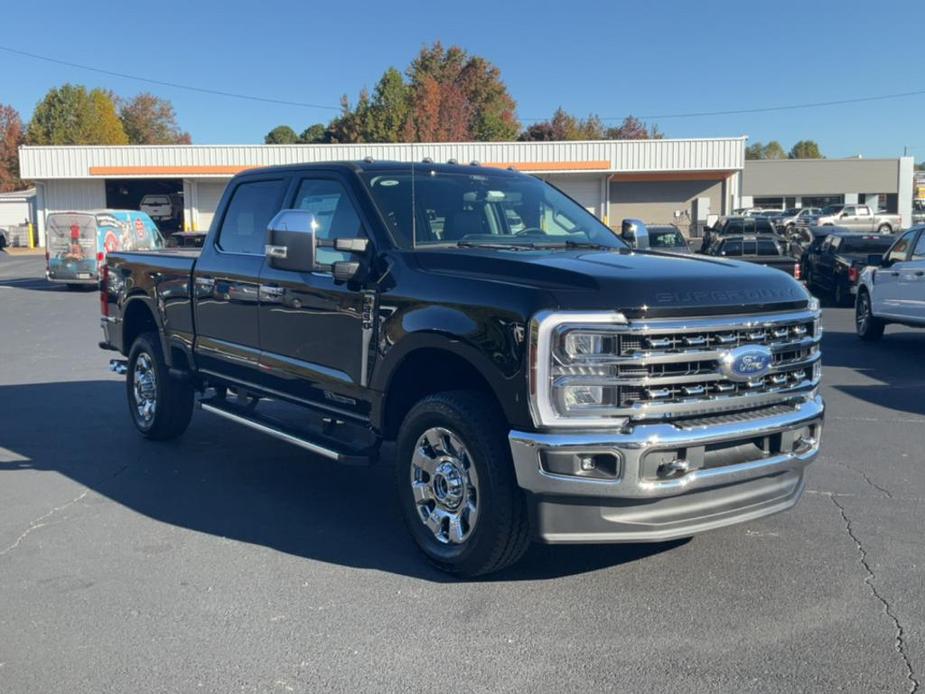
[{"x": 229, "y": 561}]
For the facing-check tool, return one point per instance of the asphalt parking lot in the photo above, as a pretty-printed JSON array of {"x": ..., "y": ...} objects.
[{"x": 227, "y": 561}]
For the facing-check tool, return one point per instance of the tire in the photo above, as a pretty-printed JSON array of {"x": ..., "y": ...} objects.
[
  {"x": 884, "y": 229},
  {"x": 869, "y": 328},
  {"x": 162, "y": 406},
  {"x": 441, "y": 489}
]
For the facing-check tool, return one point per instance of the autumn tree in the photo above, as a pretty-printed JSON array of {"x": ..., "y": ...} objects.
[
  {"x": 281, "y": 135},
  {"x": 151, "y": 120},
  {"x": 11, "y": 137},
  {"x": 633, "y": 129},
  {"x": 805, "y": 149},
  {"x": 457, "y": 96},
  {"x": 72, "y": 115},
  {"x": 565, "y": 126}
]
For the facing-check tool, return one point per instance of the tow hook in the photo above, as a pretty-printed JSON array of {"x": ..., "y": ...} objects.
[
  {"x": 676, "y": 468},
  {"x": 119, "y": 366}
]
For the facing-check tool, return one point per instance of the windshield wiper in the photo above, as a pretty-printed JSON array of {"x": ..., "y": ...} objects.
[{"x": 529, "y": 246}]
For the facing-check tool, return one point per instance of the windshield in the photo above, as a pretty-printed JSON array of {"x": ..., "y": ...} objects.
[
  {"x": 453, "y": 210},
  {"x": 869, "y": 244},
  {"x": 665, "y": 238}
]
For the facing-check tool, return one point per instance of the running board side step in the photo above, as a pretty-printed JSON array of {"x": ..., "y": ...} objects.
[{"x": 278, "y": 431}]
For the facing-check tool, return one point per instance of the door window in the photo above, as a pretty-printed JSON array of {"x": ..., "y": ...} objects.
[
  {"x": 900, "y": 251},
  {"x": 919, "y": 252},
  {"x": 333, "y": 212},
  {"x": 244, "y": 226}
]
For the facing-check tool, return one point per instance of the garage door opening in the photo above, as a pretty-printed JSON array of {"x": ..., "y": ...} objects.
[{"x": 161, "y": 198}]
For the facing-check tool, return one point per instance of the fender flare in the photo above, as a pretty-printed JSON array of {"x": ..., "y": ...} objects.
[
  {"x": 501, "y": 385},
  {"x": 149, "y": 304}
]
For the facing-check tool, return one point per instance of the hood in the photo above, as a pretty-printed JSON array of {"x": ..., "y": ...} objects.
[{"x": 640, "y": 283}]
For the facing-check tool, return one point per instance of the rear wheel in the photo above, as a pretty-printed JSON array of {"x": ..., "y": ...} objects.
[
  {"x": 869, "y": 328},
  {"x": 161, "y": 406},
  {"x": 884, "y": 229},
  {"x": 456, "y": 484}
]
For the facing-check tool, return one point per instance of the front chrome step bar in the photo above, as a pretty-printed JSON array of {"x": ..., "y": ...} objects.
[{"x": 278, "y": 432}]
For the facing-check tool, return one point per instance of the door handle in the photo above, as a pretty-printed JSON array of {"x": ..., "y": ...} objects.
[
  {"x": 920, "y": 273},
  {"x": 894, "y": 274}
]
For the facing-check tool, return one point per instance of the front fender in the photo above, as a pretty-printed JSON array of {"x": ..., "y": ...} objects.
[{"x": 493, "y": 345}]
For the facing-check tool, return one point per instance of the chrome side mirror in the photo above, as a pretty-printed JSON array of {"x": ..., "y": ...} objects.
[
  {"x": 635, "y": 233},
  {"x": 291, "y": 241},
  {"x": 292, "y": 245}
]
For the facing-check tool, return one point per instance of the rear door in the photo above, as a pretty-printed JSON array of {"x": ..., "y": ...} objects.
[
  {"x": 314, "y": 337},
  {"x": 227, "y": 280},
  {"x": 824, "y": 269}
]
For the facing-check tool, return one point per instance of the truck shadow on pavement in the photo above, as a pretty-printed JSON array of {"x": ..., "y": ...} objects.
[
  {"x": 896, "y": 361},
  {"x": 233, "y": 483},
  {"x": 39, "y": 284}
]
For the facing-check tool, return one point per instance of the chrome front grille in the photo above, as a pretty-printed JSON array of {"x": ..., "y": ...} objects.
[{"x": 670, "y": 368}]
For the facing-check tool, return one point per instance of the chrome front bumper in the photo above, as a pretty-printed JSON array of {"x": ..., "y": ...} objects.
[{"x": 640, "y": 504}]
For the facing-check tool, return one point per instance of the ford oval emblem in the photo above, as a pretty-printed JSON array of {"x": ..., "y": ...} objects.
[{"x": 746, "y": 363}]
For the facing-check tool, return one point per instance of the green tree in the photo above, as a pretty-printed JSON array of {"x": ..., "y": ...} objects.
[
  {"x": 151, "y": 120},
  {"x": 805, "y": 149},
  {"x": 71, "y": 115},
  {"x": 281, "y": 135},
  {"x": 772, "y": 150},
  {"x": 314, "y": 133},
  {"x": 389, "y": 108},
  {"x": 11, "y": 137}
]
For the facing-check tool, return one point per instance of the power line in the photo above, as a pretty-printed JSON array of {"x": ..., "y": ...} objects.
[
  {"x": 163, "y": 83},
  {"x": 302, "y": 104},
  {"x": 762, "y": 109},
  {"x": 789, "y": 107}
]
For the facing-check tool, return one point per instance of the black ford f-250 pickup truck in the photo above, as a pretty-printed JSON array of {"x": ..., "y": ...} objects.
[{"x": 542, "y": 380}]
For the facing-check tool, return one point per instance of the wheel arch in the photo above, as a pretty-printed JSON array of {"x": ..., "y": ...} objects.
[
  {"x": 436, "y": 363},
  {"x": 139, "y": 316}
]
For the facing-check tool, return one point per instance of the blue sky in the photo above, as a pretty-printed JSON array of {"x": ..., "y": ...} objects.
[{"x": 610, "y": 58}]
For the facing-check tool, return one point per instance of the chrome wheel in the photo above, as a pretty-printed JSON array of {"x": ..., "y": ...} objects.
[
  {"x": 862, "y": 314},
  {"x": 144, "y": 387},
  {"x": 445, "y": 485}
]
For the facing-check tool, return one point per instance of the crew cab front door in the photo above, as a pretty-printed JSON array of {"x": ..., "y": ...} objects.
[
  {"x": 912, "y": 283},
  {"x": 893, "y": 284},
  {"x": 314, "y": 339},
  {"x": 227, "y": 278}
]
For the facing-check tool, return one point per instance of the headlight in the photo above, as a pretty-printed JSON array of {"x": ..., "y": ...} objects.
[{"x": 571, "y": 358}]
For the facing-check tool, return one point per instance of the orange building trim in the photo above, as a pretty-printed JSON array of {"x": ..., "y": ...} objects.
[
  {"x": 166, "y": 170},
  {"x": 672, "y": 176}
]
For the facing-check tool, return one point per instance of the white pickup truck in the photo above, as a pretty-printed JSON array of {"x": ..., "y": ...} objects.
[
  {"x": 857, "y": 218},
  {"x": 894, "y": 291}
]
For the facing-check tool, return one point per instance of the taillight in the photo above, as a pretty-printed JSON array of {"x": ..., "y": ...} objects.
[
  {"x": 796, "y": 271},
  {"x": 853, "y": 275},
  {"x": 104, "y": 289}
]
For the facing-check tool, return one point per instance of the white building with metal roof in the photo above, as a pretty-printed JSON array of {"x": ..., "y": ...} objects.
[{"x": 654, "y": 180}]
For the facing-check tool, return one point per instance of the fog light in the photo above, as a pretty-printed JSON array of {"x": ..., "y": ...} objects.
[{"x": 600, "y": 465}]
